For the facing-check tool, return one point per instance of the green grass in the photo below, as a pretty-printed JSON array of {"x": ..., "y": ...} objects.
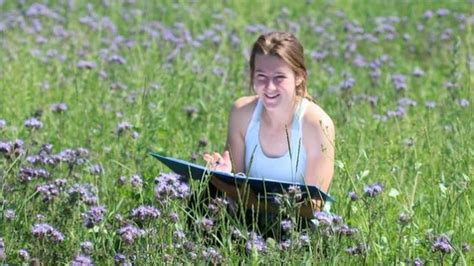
[{"x": 430, "y": 180}]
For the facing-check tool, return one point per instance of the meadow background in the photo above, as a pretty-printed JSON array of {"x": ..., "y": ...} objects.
[{"x": 88, "y": 89}]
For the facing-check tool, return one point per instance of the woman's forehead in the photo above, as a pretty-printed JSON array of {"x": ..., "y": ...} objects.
[{"x": 271, "y": 63}]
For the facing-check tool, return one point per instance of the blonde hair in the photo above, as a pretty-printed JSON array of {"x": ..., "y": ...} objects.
[{"x": 287, "y": 47}]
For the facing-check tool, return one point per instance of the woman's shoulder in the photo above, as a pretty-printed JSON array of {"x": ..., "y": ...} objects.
[
  {"x": 245, "y": 102},
  {"x": 242, "y": 111},
  {"x": 244, "y": 106},
  {"x": 316, "y": 119}
]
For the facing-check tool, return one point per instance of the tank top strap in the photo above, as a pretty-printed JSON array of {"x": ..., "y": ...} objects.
[{"x": 257, "y": 111}]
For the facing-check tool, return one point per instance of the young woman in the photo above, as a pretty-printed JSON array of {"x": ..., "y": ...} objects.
[{"x": 279, "y": 133}]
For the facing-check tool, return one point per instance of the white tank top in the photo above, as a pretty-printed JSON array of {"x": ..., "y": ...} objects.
[{"x": 287, "y": 168}]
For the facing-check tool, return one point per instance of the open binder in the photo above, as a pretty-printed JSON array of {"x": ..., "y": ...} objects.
[{"x": 259, "y": 185}]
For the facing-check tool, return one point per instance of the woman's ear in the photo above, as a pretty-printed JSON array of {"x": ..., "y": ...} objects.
[{"x": 299, "y": 80}]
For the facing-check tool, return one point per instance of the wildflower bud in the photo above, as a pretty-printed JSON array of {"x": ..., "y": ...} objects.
[{"x": 353, "y": 196}]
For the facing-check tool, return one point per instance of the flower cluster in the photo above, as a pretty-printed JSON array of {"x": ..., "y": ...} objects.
[
  {"x": 46, "y": 231},
  {"x": 130, "y": 233},
  {"x": 255, "y": 242},
  {"x": 93, "y": 216},
  {"x": 86, "y": 193},
  {"x": 169, "y": 186},
  {"x": 33, "y": 123},
  {"x": 27, "y": 174},
  {"x": 12, "y": 149},
  {"x": 82, "y": 260},
  {"x": 373, "y": 190},
  {"x": 442, "y": 244},
  {"x": 144, "y": 212}
]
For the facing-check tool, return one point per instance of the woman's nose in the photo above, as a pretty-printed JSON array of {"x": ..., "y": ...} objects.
[{"x": 270, "y": 85}]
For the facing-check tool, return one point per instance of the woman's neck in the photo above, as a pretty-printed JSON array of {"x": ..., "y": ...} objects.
[{"x": 281, "y": 117}]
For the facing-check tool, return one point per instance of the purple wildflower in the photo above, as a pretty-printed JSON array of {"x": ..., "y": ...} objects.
[
  {"x": 404, "y": 219},
  {"x": 319, "y": 55},
  {"x": 36, "y": 10},
  {"x": 24, "y": 254},
  {"x": 169, "y": 186},
  {"x": 130, "y": 233},
  {"x": 179, "y": 235},
  {"x": 48, "y": 191},
  {"x": 2, "y": 249},
  {"x": 85, "y": 193},
  {"x": 191, "y": 111},
  {"x": 33, "y": 123},
  {"x": 399, "y": 82},
  {"x": 2, "y": 124},
  {"x": 286, "y": 225},
  {"x": 442, "y": 244},
  {"x": 442, "y": 12},
  {"x": 347, "y": 83},
  {"x": 144, "y": 212},
  {"x": 58, "y": 107},
  {"x": 430, "y": 104},
  {"x": 359, "y": 61},
  {"x": 404, "y": 102},
  {"x": 466, "y": 247},
  {"x": 449, "y": 85},
  {"x": 46, "y": 231},
  {"x": 353, "y": 196},
  {"x": 295, "y": 192},
  {"x": 118, "y": 86},
  {"x": 93, "y": 216},
  {"x": 418, "y": 72},
  {"x": 323, "y": 218},
  {"x": 463, "y": 102},
  {"x": 82, "y": 260},
  {"x": 121, "y": 180},
  {"x": 409, "y": 141},
  {"x": 123, "y": 127},
  {"x": 117, "y": 59},
  {"x": 96, "y": 169},
  {"x": 73, "y": 156},
  {"x": 418, "y": 262},
  {"x": 189, "y": 246},
  {"x": 304, "y": 240},
  {"x": 255, "y": 242},
  {"x": 9, "y": 215},
  {"x": 345, "y": 230},
  {"x": 373, "y": 190},
  {"x": 87, "y": 247},
  {"x": 285, "y": 245},
  {"x": 136, "y": 181},
  {"x": 217, "y": 205},
  {"x": 236, "y": 234},
  {"x": 206, "y": 224},
  {"x": 399, "y": 112},
  {"x": 40, "y": 217},
  {"x": 212, "y": 254},
  {"x": 173, "y": 217},
  {"x": 356, "y": 250},
  {"x": 428, "y": 14},
  {"x": 336, "y": 219},
  {"x": 120, "y": 259},
  {"x": 82, "y": 64}
]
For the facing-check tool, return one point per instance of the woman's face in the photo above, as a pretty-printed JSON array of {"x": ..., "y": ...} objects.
[{"x": 274, "y": 82}]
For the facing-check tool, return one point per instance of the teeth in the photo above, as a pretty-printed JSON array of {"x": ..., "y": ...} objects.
[{"x": 271, "y": 96}]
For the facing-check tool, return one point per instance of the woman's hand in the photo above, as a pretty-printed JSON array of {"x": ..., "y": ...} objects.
[{"x": 219, "y": 162}]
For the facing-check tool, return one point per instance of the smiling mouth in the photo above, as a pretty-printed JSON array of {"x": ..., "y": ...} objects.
[{"x": 272, "y": 97}]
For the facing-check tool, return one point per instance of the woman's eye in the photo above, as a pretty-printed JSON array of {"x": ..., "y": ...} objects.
[{"x": 280, "y": 77}]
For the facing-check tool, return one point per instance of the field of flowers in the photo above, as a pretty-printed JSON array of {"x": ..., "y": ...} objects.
[{"x": 88, "y": 89}]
